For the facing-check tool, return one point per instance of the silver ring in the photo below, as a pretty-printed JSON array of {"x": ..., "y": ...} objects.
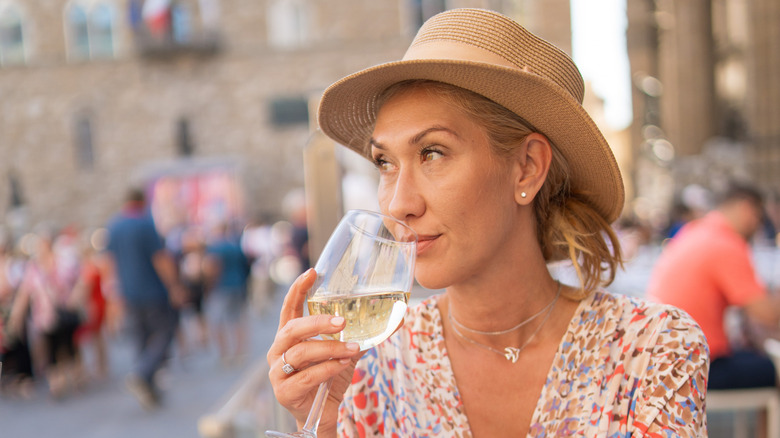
[{"x": 286, "y": 367}]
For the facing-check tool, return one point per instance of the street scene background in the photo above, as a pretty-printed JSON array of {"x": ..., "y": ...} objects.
[{"x": 208, "y": 107}]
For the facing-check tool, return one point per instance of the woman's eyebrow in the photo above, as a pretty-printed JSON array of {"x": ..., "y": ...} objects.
[
  {"x": 417, "y": 138},
  {"x": 375, "y": 144}
]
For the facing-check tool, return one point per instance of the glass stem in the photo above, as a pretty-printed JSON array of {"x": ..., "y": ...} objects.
[{"x": 313, "y": 420}]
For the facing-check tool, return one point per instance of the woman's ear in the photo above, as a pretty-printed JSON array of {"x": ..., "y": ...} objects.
[{"x": 532, "y": 163}]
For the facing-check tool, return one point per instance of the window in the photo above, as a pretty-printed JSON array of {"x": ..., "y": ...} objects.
[
  {"x": 181, "y": 23},
  {"x": 289, "y": 111},
  {"x": 78, "y": 32},
  {"x": 288, "y": 24},
  {"x": 101, "y": 31},
  {"x": 11, "y": 36},
  {"x": 89, "y": 29},
  {"x": 184, "y": 145},
  {"x": 15, "y": 187}
]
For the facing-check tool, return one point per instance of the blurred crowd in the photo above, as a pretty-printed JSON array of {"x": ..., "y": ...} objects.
[{"x": 60, "y": 303}]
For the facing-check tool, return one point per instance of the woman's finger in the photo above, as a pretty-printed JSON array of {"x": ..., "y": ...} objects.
[
  {"x": 296, "y": 297},
  {"x": 293, "y": 389},
  {"x": 302, "y": 329},
  {"x": 306, "y": 354}
]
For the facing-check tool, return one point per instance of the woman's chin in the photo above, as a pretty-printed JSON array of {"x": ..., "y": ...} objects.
[{"x": 431, "y": 282}]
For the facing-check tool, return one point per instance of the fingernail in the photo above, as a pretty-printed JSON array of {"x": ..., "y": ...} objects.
[
  {"x": 309, "y": 272},
  {"x": 353, "y": 346},
  {"x": 337, "y": 321},
  {"x": 345, "y": 361}
]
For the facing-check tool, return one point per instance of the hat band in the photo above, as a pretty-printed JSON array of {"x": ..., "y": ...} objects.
[{"x": 456, "y": 51}]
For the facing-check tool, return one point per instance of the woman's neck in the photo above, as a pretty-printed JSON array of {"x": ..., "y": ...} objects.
[{"x": 496, "y": 302}]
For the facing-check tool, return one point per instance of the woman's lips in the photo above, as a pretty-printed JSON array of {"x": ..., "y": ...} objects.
[{"x": 425, "y": 242}]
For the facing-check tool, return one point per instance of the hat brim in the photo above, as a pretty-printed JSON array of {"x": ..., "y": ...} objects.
[{"x": 347, "y": 114}]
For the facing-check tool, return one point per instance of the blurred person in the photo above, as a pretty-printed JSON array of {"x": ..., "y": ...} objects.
[
  {"x": 772, "y": 208},
  {"x": 16, "y": 376},
  {"x": 300, "y": 238},
  {"x": 286, "y": 265},
  {"x": 228, "y": 269},
  {"x": 148, "y": 281},
  {"x": 258, "y": 245},
  {"x": 91, "y": 333},
  {"x": 483, "y": 148},
  {"x": 67, "y": 249},
  {"x": 192, "y": 267},
  {"x": 708, "y": 268},
  {"x": 175, "y": 237},
  {"x": 298, "y": 244},
  {"x": 47, "y": 293},
  {"x": 680, "y": 215}
]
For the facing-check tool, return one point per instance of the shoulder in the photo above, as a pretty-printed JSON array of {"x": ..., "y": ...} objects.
[
  {"x": 651, "y": 353},
  {"x": 116, "y": 222},
  {"x": 662, "y": 352},
  {"x": 652, "y": 342},
  {"x": 635, "y": 315},
  {"x": 638, "y": 333},
  {"x": 709, "y": 232}
]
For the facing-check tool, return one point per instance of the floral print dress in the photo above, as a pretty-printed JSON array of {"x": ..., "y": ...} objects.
[{"x": 624, "y": 368}]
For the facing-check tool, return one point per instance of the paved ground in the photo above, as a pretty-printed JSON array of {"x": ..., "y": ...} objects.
[{"x": 196, "y": 386}]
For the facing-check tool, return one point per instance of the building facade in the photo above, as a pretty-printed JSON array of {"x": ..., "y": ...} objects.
[{"x": 97, "y": 96}]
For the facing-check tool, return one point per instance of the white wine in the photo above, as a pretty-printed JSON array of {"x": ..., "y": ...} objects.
[{"x": 370, "y": 318}]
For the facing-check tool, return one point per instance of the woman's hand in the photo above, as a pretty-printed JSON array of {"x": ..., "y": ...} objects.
[{"x": 315, "y": 361}]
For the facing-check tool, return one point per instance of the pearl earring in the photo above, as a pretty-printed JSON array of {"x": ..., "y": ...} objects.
[{"x": 523, "y": 194}]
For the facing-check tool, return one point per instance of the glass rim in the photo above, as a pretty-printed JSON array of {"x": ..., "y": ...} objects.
[{"x": 384, "y": 216}]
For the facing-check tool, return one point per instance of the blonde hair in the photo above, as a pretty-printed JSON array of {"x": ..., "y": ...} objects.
[{"x": 567, "y": 227}]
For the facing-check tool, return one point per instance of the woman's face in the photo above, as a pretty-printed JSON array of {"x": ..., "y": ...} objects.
[{"x": 439, "y": 175}]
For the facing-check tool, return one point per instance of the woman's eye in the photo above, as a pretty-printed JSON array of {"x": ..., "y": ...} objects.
[
  {"x": 430, "y": 154},
  {"x": 381, "y": 163}
]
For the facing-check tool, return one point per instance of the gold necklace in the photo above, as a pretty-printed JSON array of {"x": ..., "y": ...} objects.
[{"x": 510, "y": 353}]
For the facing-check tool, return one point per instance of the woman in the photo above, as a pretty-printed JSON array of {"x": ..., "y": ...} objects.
[
  {"x": 90, "y": 290},
  {"x": 47, "y": 292},
  {"x": 483, "y": 148}
]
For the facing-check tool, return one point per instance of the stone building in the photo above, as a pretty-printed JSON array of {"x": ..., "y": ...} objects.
[
  {"x": 706, "y": 94},
  {"x": 107, "y": 94},
  {"x": 99, "y": 95}
]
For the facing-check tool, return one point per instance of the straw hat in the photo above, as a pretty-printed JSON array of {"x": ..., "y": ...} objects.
[{"x": 491, "y": 55}]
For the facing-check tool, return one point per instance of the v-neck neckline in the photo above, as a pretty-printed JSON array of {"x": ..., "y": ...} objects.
[{"x": 567, "y": 338}]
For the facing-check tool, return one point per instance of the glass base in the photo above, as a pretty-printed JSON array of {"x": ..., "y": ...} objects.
[{"x": 273, "y": 434}]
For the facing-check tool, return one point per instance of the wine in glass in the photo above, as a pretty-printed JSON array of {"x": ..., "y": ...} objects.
[{"x": 365, "y": 274}]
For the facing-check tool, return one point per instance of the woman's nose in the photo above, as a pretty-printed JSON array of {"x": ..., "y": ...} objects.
[{"x": 406, "y": 199}]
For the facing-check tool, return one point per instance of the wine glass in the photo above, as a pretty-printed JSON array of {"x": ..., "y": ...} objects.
[{"x": 365, "y": 274}]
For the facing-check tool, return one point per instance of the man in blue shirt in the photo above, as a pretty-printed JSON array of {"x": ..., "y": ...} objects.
[
  {"x": 148, "y": 281},
  {"x": 228, "y": 268}
]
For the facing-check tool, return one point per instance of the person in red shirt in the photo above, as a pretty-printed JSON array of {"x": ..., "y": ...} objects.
[{"x": 705, "y": 269}]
